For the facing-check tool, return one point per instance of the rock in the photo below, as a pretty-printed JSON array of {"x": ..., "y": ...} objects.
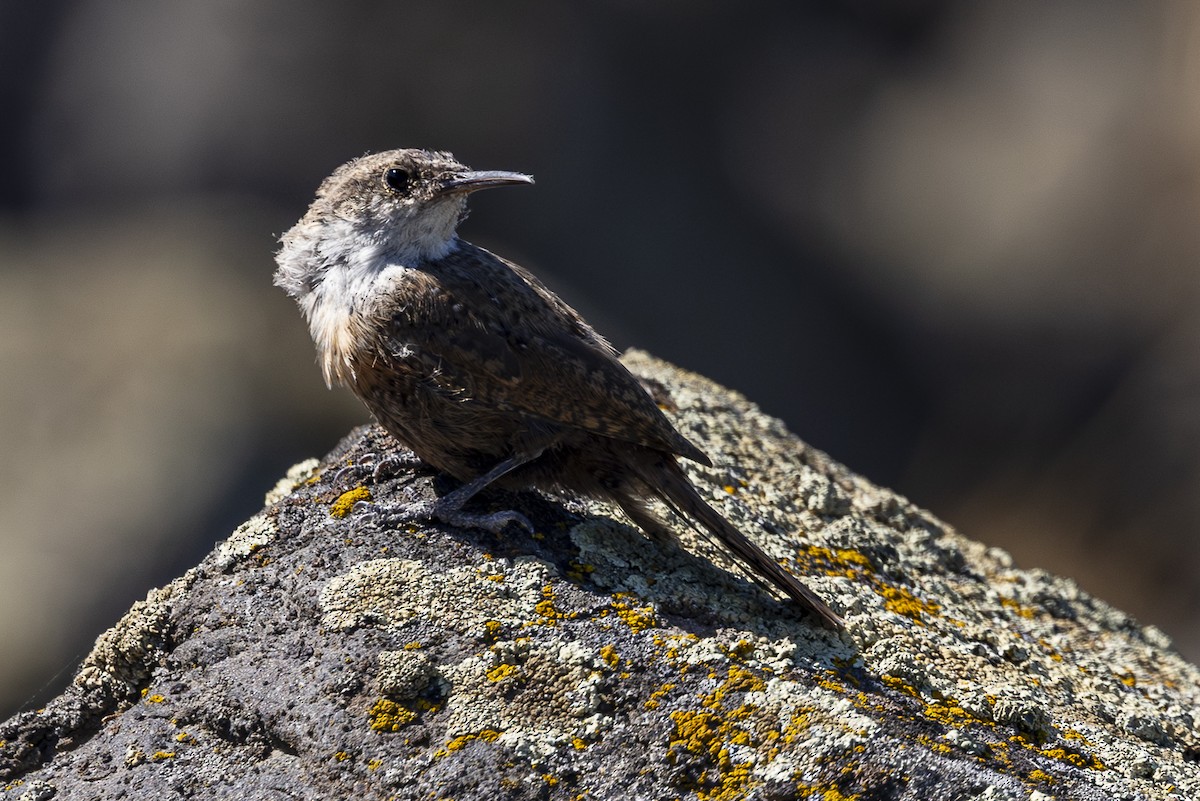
[{"x": 312, "y": 655}]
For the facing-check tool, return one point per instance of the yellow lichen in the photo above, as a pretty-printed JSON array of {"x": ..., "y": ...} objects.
[
  {"x": 1017, "y": 609},
  {"x": 502, "y": 673},
  {"x": 656, "y": 697},
  {"x": 900, "y": 685},
  {"x": 700, "y": 733},
  {"x": 852, "y": 564},
  {"x": 832, "y": 681},
  {"x": 374, "y": 764},
  {"x": 670, "y": 644},
  {"x": 578, "y": 571},
  {"x": 1077, "y": 758},
  {"x": 1050, "y": 650},
  {"x": 609, "y": 655},
  {"x": 492, "y": 630},
  {"x": 824, "y": 792},
  {"x": 843, "y": 562},
  {"x": 426, "y": 705},
  {"x": 154, "y": 699},
  {"x": 458, "y": 743},
  {"x": 705, "y": 734},
  {"x": 550, "y": 613},
  {"x": 714, "y": 730},
  {"x": 345, "y": 502},
  {"x": 797, "y": 725},
  {"x": 341, "y": 756},
  {"x": 949, "y": 712},
  {"x": 903, "y": 602},
  {"x": 638, "y": 618},
  {"x": 387, "y": 715},
  {"x": 158, "y": 756},
  {"x": 742, "y": 680},
  {"x": 737, "y": 679},
  {"x": 933, "y": 745}
]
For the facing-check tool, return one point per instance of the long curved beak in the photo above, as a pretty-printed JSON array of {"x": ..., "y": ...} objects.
[{"x": 474, "y": 181}]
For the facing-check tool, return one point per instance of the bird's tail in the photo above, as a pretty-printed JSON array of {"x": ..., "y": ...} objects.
[{"x": 668, "y": 482}]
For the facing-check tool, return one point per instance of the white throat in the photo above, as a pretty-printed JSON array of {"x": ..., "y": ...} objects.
[{"x": 335, "y": 273}]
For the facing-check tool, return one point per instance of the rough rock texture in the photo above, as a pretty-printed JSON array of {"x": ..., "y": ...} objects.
[{"x": 314, "y": 656}]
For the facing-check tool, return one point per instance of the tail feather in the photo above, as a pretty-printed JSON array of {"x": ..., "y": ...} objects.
[{"x": 673, "y": 488}]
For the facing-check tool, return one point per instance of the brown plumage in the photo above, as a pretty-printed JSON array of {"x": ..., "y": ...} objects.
[{"x": 474, "y": 364}]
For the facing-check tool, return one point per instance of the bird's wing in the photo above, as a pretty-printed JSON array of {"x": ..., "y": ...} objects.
[{"x": 535, "y": 355}]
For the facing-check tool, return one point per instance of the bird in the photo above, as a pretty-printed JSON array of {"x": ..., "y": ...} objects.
[{"x": 477, "y": 367}]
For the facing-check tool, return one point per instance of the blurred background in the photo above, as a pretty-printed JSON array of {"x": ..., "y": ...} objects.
[{"x": 954, "y": 245}]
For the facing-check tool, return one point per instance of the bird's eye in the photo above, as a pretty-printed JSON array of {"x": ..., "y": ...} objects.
[{"x": 398, "y": 179}]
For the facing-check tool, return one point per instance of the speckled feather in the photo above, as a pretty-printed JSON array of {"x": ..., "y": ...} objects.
[{"x": 482, "y": 343}]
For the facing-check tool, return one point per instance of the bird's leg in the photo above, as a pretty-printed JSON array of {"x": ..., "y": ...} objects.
[{"x": 449, "y": 508}]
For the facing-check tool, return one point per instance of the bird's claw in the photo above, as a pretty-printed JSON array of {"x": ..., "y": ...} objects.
[
  {"x": 393, "y": 464},
  {"x": 376, "y": 468},
  {"x": 353, "y": 471}
]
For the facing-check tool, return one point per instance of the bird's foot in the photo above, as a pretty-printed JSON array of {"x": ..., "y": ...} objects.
[
  {"x": 449, "y": 513},
  {"x": 377, "y": 468},
  {"x": 495, "y": 522}
]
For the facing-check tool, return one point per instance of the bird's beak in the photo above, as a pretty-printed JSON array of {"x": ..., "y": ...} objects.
[{"x": 473, "y": 181}]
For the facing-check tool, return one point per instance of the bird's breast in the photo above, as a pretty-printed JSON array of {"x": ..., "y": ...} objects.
[{"x": 343, "y": 314}]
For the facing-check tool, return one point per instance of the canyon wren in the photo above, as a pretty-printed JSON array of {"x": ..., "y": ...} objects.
[{"x": 471, "y": 362}]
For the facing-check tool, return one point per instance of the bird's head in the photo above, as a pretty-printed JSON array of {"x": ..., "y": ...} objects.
[{"x": 398, "y": 207}]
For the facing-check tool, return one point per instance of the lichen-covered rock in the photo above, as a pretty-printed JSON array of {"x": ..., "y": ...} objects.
[{"x": 312, "y": 655}]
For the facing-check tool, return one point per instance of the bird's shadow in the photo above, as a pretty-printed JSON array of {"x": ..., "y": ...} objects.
[{"x": 604, "y": 555}]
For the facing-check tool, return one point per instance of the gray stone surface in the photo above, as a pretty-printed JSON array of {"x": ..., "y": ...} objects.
[{"x": 313, "y": 656}]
